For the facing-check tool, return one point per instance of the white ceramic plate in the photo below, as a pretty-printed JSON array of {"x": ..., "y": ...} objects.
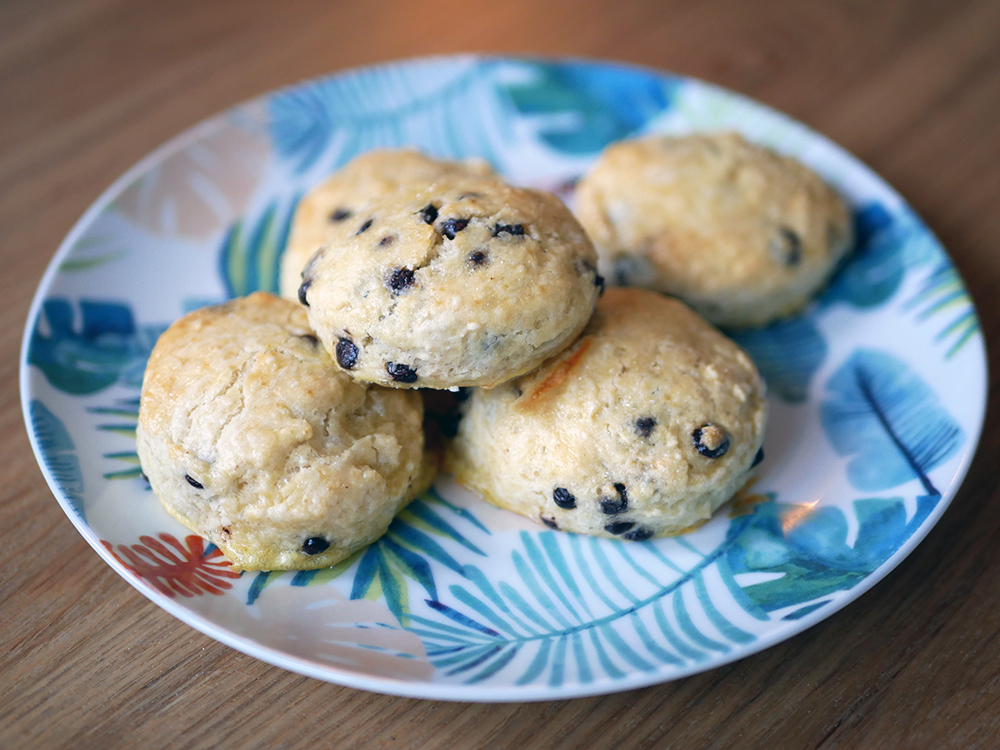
[{"x": 877, "y": 390}]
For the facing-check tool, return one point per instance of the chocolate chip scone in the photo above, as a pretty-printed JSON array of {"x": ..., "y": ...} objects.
[
  {"x": 253, "y": 438},
  {"x": 642, "y": 428},
  {"x": 742, "y": 234},
  {"x": 333, "y": 202},
  {"x": 467, "y": 282}
]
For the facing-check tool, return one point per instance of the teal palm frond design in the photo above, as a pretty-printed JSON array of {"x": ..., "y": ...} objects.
[
  {"x": 126, "y": 411},
  {"x": 944, "y": 293},
  {"x": 58, "y": 453},
  {"x": 250, "y": 253},
  {"x": 572, "y": 610},
  {"x": 407, "y": 552},
  {"x": 804, "y": 549},
  {"x": 425, "y": 104}
]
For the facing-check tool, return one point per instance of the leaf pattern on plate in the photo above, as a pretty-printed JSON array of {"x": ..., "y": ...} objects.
[
  {"x": 571, "y": 610},
  {"x": 199, "y": 189},
  {"x": 803, "y": 549},
  {"x": 250, "y": 257},
  {"x": 425, "y": 104},
  {"x": 579, "y": 108},
  {"x": 787, "y": 353},
  {"x": 59, "y": 454},
  {"x": 879, "y": 411},
  {"x": 189, "y": 568},
  {"x": 87, "y": 353},
  {"x": 944, "y": 293}
]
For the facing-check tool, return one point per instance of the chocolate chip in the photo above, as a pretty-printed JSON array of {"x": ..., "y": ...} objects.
[
  {"x": 463, "y": 394},
  {"x": 710, "y": 440},
  {"x": 599, "y": 283},
  {"x": 339, "y": 214},
  {"x": 478, "y": 258},
  {"x": 786, "y": 247},
  {"x": 314, "y": 545},
  {"x": 387, "y": 240},
  {"x": 399, "y": 280},
  {"x": 194, "y": 482},
  {"x": 308, "y": 337},
  {"x": 758, "y": 458},
  {"x": 366, "y": 226},
  {"x": 612, "y": 505},
  {"x": 639, "y": 535},
  {"x": 563, "y": 498},
  {"x": 347, "y": 353},
  {"x": 302, "y": 291},
  {"x": 618, "y": 528},
  {"x": 401, "y": 373},
  {"x": 226, "y": 531},
  {"x": 142, "y": 474},
  {"x": 644, "y": 426},
  {"x": 550, "y": 522},
  {"x": 429, "y": 213},
  {"x": 451, "y": 227},
  {"x": 516, "y": 230}
]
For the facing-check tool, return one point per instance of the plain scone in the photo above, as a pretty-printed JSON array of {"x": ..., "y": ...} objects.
[{"x": 742, "y": 234}]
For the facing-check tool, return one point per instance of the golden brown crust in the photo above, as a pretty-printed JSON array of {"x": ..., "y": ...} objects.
[
  {"x": 372, "y": 175},
  {"x": 741, "y": 233},
  {"x": 468, "y": 282},
  {"x": 251, "y": 437},
  {"x": 654, "y": 421}
]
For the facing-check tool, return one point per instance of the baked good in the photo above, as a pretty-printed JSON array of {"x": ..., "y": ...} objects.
[
  {"x": 643, "y": 427},
  {"x": 466, "y": 282},
  {"x": 341, "y": 196},
  {"x": 251, "y": 437},
  {"x": 742, "y": 234}
]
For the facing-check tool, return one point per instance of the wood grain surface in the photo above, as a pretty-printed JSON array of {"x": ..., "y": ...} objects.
[{"x": 88, "y": 87}]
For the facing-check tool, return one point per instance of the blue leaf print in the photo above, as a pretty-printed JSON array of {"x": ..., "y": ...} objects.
[
  {"x": 58, "y": 453},
  {"x": 806, "y": 546},
  {"x": 571, "y": 594},
  {"x": 104, "y": 347},
  {"x": 943, "y": 291},
  {"x": 788, "y": 353},
  {"x": 875, "y": 270},
  {"x": 886, "y": 246},
  {"x": 582, "y": 107},
  {"x": 249, "y": 260},
  {"x": 425, "y": 104},
  {"x": 884, "y": 415}
]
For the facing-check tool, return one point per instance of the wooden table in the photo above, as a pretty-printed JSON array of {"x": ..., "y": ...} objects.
[{"x": 87, "y": 87}]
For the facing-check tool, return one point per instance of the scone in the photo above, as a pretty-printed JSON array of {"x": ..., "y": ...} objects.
[
  {"x": 253, "y": 438},
  {"x": 467, "y": 282},
  {"x": 371, "y": 175},
  {"x": 642, "y": 428},
  {"x": 742, "y": 234}
]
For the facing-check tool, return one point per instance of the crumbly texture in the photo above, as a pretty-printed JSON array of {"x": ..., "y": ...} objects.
[
  {"x": 742, "y": 234},
  {"x": 643, "y": 428},
  {"x": 251, "y": 437},
  {"x": 467, "y": 282},
  {"x": 343, "y": 195}
]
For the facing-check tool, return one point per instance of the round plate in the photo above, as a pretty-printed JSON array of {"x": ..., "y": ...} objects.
[{"x": 877, "y": 398}]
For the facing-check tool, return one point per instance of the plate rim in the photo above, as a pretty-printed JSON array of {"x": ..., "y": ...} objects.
[{"x": 455, "y": 691}]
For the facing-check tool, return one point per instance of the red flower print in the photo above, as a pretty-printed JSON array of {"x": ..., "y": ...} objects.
[{"x": 173, "y": 568}]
